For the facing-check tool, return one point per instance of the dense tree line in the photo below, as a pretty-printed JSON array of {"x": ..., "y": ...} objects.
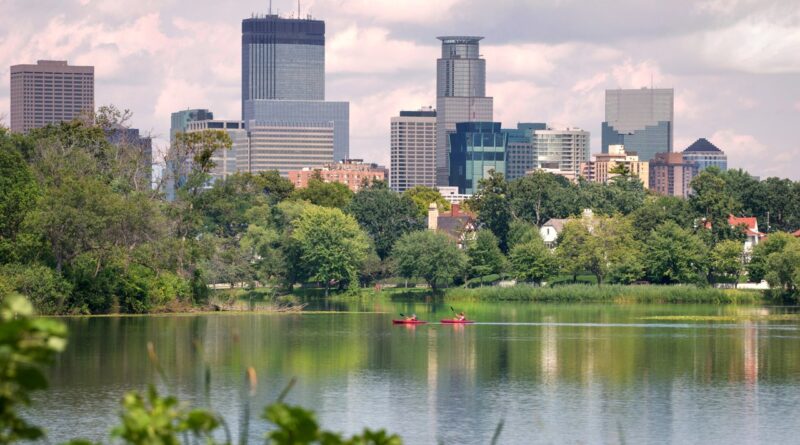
[{"x": 84, "y": 231}]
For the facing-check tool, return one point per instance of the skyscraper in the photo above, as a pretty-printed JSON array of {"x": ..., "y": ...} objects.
[
  {"x": 283, "y": 79},
  {"x": 641, "y": 120},
  {"x": 460, "y": 93},
  {"x": 224, "y": 160},
  {"x": 520, "y": 156},
  {"x": 49, "y": 92},
  {"x": 283, "y": 58},
  {"x": 705, "y": 154},
  {"x": 285, "y": 147},
  {"x": 561, "y": 151},
  {"x": 476, "y": 149},
  {"x": 413, "y": 149},
  {"x": 180, "y": 120}
]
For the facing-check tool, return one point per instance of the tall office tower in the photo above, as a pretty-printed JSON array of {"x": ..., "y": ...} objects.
[
  {"x": 671, "y": 175},
  {"x": 224, "y": 160},
  {"x": 413, "y": 149},
  {"x": 283, "y": 78},
  {"x": 283, "y": 58},
  {"x": 285, "y": 146},
  {"x": 561, "y": 151},
  {"x": 641, "y": 120},
  {"x": 476, "y": 148},
  {"x": 180, "y": 120},
  {"x": 520, "y": 157},
  {"x": 49, "y": 92},
  {"x": 460, "y": 93},
  {"x": 705, "y": 154}
]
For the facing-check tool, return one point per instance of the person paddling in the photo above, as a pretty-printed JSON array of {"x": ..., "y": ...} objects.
[
  {"x": 412, "y": 317},
  {"x": 461, "y": 316}
]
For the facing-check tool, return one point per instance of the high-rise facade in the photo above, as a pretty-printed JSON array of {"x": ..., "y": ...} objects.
[
  {"x": 476, "y": 149},
  {"x": 670, "y": 175},
  {"x": 283, "y": 58},
  {"x": 283, "y": 79},
  {"x": 561, "y": 151},
  {"x": 641, "y": 120},
  {"x": 460, "y": 93},
  {"x": 413, "y": 149},
  {"x": 49, "y": 92},
  {"x": 285, "y": 146},
  {"x": 520, "y": 157},
  {"x": 224, "y": 160},
  {"x": 180, "y": 120},
  {"x": 705, "y": 154},
  {"x": 353, "y": 173},
  {"x": 602, "y": 168}
]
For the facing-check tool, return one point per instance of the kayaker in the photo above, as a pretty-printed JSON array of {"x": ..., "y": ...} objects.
[
  {"x": 461, "y": 316},
  {"x": 413, "y": 317}
]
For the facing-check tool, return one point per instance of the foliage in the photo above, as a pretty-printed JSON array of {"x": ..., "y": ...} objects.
[
  {"x": 424, "y": 196},
  {"x": 484, "y": 255},
  {"x": 331, "y": 245},
  {"x": 27, "y": 344},
  {"x": 784, "y": 271},
  {"x": 541, "y": 196},
  {"x": 325, "y": 194},
  {"x": 657, "y": 210},
  {"x": 298, "y": 426},
  {"x": 46, "y": 290},
  {"x": 531, "y": 261},
  {"x": 758, "y": 266},
  {"x": 428, "y": 255},
  {"x": 521, "y": 232},
  {"x": 18, "y": 195},
  {"x": 491, "y": 203},
  {"x": 385, "y": 216},
  {"x": 727, "y": 261},
  {"x": 713, "y": 202},
  {"x": 674, "y": 255}
]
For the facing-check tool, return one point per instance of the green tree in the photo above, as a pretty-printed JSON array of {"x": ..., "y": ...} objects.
[
  {"x": 325, "y": 194},
  {"x": 424, "y": 196},
  {"x": 331, "y": 245},
  {"x": 521, "y": 232},
  {"x": 570, "y": 248},
  {"x": 189, "y": 160},
  {"x": 758, "y": 267},
  {"x": 18, "y": 195},
  {"x": 531, "y": 261},
  {"x": 657, "y": 210},
  {"x": 485, "y": 257},
  {"x": 727, "y": 261},
  {"x": 385, "y": 216},
  {"x": 541, "y": 196},
  {"x": 491, "y": 204},
  {"x": 675, "y": 255},
  {"x": 714, "y": 203},
  {"x": 783, "y": 273},
  {"x": 275, "y": 187},
  {"x": 429, "y": 255}
]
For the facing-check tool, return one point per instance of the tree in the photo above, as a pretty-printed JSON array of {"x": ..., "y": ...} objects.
[
  {"x": 275, "y": 187},
  {"x": 491, "y": 203},
  {"x": 484, "y": 254},
  {"x": 540, "y": 196},
  {"x": 714, "y": 203},
  {"x": 532, "y": 261},
  {"x": 18, "y": 195},
  {"x": 331, "y": 245},
  {"x": 385, "y": 216},
  {"x": 429, "y": 255},
  {"x": 424, "y": 196},
  {"x": 569, "y": 251},
  {"x": 224, "y": 206},
  {"x": 784, "y": 271},
  {"x": 727, "y": 261},
  {"x": 674, "y": 255},
  {"x": 657, "y": 210},
  {"x": 189, "y": 160},
  {"x": 521, "y": 232},
  {"x": 325, "y": 194},
  {"x": 758, "y": 266}
]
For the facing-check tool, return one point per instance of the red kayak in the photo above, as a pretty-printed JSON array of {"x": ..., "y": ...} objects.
[
  {"x": 409, "y": 322},
  {"x": 451, "y": 321}
]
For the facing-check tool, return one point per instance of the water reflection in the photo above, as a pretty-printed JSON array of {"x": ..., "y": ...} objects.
[{"x": 554, "y": 373}]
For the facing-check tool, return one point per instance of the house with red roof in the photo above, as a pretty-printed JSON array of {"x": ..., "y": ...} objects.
[
  {"x": 796, "y": 234},
  {"x": 749, "y": 225}
]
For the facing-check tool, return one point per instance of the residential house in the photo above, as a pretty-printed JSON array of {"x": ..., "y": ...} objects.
[
  {"x": 796, "y": 234},
  {"x": 457, "y": 224},
  {"x": 750, "y": 225},
  {"x": 550, "y": 231}
]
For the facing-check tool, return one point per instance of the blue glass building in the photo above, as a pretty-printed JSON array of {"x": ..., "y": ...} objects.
[
  {"x": 476, "y": 148},
  {"x": 180, "y": 120},
  {"x": 640, "y": 119},
  {"x": 705, "y": 154}
]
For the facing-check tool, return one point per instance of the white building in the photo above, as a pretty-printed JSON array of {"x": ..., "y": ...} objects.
[
  {"x": 561, "y": 151},
  {"x": 413, "y": 149},
  {"x": 451, "y": 195},
  {"x": 285, "y": 146}
]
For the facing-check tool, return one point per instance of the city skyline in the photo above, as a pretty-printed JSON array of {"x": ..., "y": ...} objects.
[{"x": 159, "y": 57}]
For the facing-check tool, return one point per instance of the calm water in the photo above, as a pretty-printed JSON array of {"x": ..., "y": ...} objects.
[{"x": 553, "y": 373}]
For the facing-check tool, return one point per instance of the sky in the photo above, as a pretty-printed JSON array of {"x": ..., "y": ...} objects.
[{"x": 734, "y": 64}]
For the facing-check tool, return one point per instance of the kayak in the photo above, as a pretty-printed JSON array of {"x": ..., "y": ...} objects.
[
  {"x": 408, "y": 322},
  {"x": 451, "y": 321}
]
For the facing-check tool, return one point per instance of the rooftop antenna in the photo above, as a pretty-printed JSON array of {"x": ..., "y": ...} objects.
[
  {"x": 270, "y": 7},
  {"x": 298, "y": 9}
]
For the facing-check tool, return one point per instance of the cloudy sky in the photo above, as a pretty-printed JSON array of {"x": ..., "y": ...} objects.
[{"x": 734, "y": 64}]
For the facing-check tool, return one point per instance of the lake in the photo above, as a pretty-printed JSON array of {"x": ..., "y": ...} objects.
[{"x": 552, "y": 373}]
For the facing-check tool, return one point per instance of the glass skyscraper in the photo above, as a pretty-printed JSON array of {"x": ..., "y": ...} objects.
[
  {"x": 476, "y": 148},
  {"x": 180, "y": 120},
  {"x": 641, "y": 120},
  {"x": 460, "y": 93},
  {"x": 705, "y": 154}
]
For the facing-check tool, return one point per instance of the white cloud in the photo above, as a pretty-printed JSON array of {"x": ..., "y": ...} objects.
[
  {"x": 392, "y": 11},
  {"x": 371, "y": 50}
]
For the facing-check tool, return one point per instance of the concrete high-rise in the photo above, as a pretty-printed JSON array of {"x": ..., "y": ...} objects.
[
  {"x": 224, "y": 160},
  {"x": 460, "y": 94},
  {"x": 604, "y": 164},
  {"x": 283, "y": 79},
  {"x": 413, "y": 149},
  {"x": 180, "y": 120},
  {"x": 561, "y": 151},
  {"x": 49, "y": 92},
  {"x": 520, "y": 155},
  {"x": 285, "y": 146},
  {"x": 641, "y": 120}
]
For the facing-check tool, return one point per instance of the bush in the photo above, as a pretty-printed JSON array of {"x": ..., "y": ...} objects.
[{"x": 45, "y": 288}]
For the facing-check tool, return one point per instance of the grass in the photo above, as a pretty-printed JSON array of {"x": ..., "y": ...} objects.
[
  {"x": 575, "y": 293},
  {"x": 733, "y": 317}
]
